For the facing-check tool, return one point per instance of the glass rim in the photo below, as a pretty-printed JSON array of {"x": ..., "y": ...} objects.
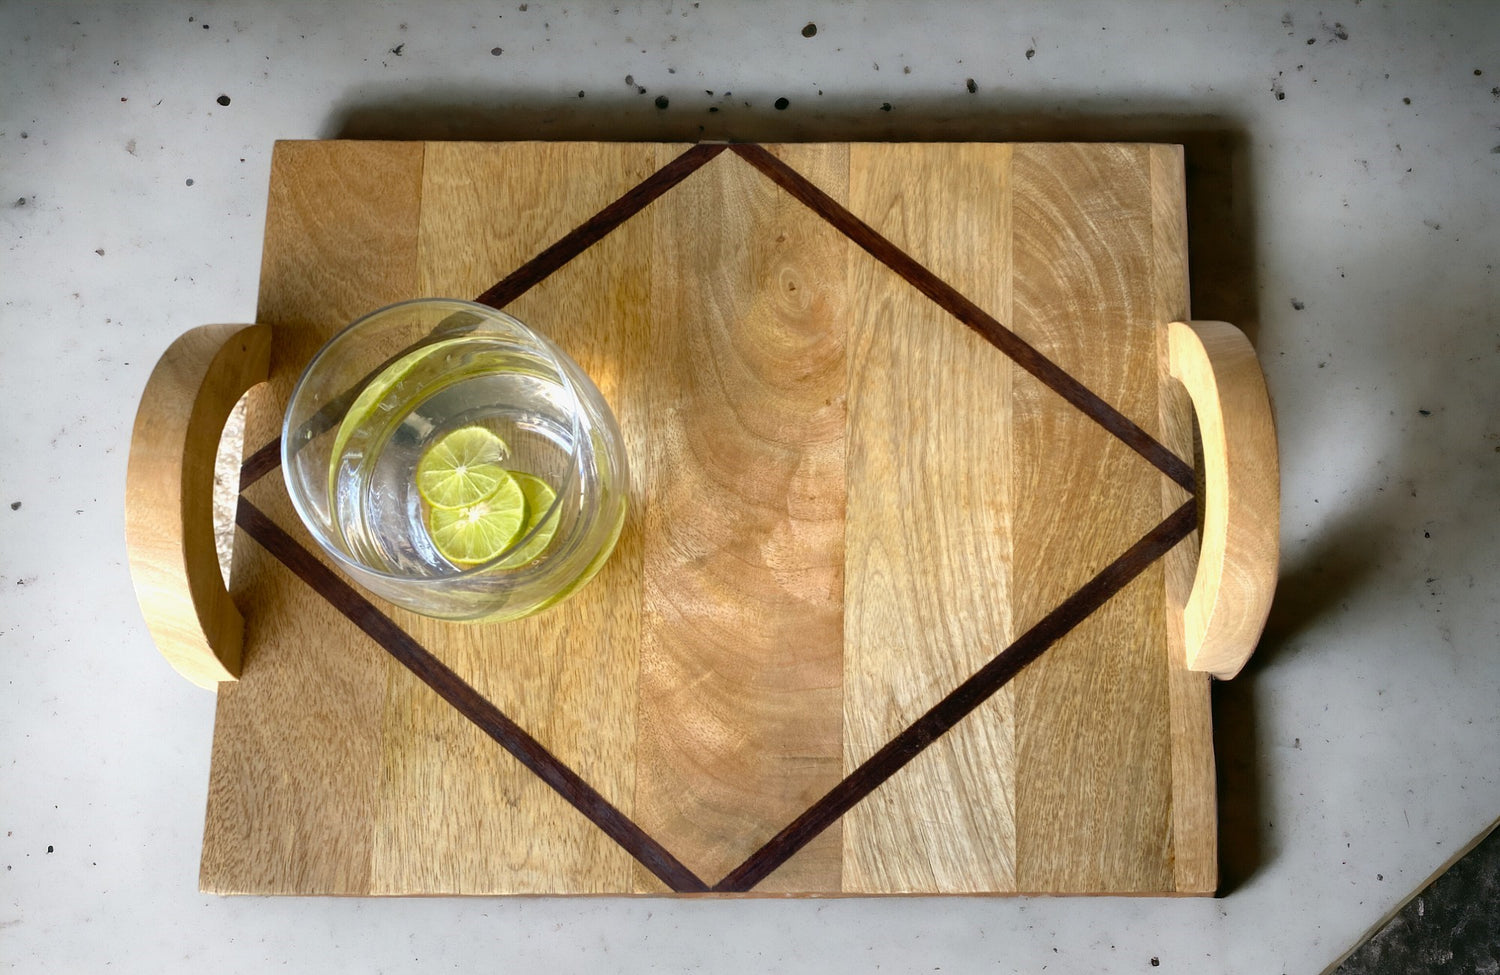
[{"x": 556, "y": 358}]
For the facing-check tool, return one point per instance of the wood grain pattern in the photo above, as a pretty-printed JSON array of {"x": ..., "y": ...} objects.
[
  {"x": 292, "y": 787},
  {"x": 1093, "y": 779},
  {"x": 169, "y": 522},
  {"x": 1236, "y": 576},
  {"x": 928, "y": 512},
  {"x": 742, "y": 646},
  {"x": 845, "y": 502},
  {"x": 456, "y": 813},
  {"x": 1195, "y": 847}
]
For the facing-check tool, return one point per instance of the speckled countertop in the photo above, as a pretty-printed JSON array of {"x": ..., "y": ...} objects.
[{"x": 1345, "y": 169}]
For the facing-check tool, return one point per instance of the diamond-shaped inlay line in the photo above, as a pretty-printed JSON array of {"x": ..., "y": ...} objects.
[
  {"x": 468, "y": 701},
  {"x": 948, "y": 298},
  {"x": 889, "y": 760},
  {"x": 961, "y": 701},
  {"x": 585, "y": 235},
  {"x": 514, "y": 285}
]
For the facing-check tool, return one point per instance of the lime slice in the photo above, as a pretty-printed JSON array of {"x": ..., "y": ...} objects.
[
  {"x": 479, "y": 532},
  {"x": 462, "y": 469},
  {"x": 370, "y": 398},
  {"x": 539, "y": 498}
]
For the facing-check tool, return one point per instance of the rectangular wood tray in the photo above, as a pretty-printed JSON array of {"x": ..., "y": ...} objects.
[{"x": 853, "y": 489}]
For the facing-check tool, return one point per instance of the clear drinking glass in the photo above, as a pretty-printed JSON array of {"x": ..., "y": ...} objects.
[{"x": 381, "y": 397}]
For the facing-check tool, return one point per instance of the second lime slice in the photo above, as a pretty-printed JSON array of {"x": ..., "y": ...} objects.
[{"x": 539, "y": 498}]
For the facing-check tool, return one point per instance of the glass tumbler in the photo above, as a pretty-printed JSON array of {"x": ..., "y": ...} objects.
[{"x": 455, "y": 462}]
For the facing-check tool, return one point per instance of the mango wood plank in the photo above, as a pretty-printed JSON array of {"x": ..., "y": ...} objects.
[
  {"x": 457, "y": 813},
  {"x": 1093, "y": 784},
  {"x": 928, "y": 514},
  {"x": 742, "y": 643},
  {"x": 292, "y": 789},
  {"x": 1194, "y": 801}
]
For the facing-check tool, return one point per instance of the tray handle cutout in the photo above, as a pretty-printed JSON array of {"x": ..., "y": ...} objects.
[
  {"x": 169, "y": 529},
  {"x": 1240, "y": 494}
]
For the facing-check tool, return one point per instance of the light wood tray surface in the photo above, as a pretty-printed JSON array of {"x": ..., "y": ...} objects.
[{"x": 859, "y": 475}]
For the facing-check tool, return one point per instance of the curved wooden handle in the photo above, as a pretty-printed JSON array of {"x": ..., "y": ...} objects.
[
  {"x": 1241, "y": 499},
  {"x": 169, "y": 528}
]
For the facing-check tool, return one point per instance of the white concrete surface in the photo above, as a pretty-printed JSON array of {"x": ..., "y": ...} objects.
[{"x": 1361, "y": 234}]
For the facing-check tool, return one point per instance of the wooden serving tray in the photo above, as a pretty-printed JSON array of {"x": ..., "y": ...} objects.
[{"x": 898, "y": 604}]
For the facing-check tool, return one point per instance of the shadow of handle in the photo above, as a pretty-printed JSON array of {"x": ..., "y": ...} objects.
[
  {"x": 169, "y": 528},
  {"x": 1241, "y": 494}
]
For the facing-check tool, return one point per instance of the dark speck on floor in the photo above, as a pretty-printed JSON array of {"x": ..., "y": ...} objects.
[
  {"x": 781, "y": 104},
  {"x": 190, "y": 182},
  {"x": 1406, "y": 101},
  {"x": 49, "y": 847},
  {"x": 1337, "y": 30},
  {"x": 398, "y": 49},
  {"x": 661, "y": 101},
  {"x": 1155, "y": 962},
  {"x": 580, "y": 93},
  {"x": 522, "y": 8},
  {"x": 21, "y": 200},
  {"x": 1312, "y": 40},
  {"x": 1030, "y": 53},
  {"x": 15, "y": 506},
  {"x": 1298, "y": 305},
  {"x": 810, "y": 30},
  {"x": 496, "y": 51},
  {"x": 970, "y": 84},
  {"x": 1425, "y": 412},
  {"x": 223, "y": 99},
  {"x": 885, "y": 106},
  {"x": 99, "y": 251}
]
